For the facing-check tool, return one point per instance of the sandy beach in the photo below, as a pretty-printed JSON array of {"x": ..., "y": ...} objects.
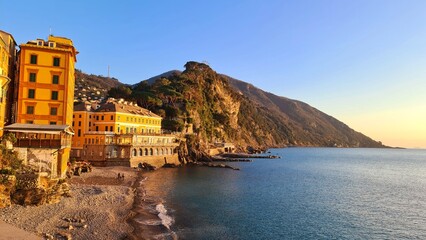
[{"x": 100, "y": 207}]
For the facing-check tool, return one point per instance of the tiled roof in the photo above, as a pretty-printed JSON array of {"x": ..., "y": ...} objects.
[
  {"x": 116, "y": 107},
  {"x": 125, "y": 108}
]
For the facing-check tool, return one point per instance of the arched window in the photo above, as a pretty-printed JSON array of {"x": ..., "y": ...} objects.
[
  {"x": 155, "y": 152},
  {"x": 151, "y": 152},
  {"x": 135, "y": 153},
  {"x": 146, "y": 151},
  {"x": 167, "y": 151},
  {"x": 162, "y": 151},
  {"x": 140, "y": 152}
]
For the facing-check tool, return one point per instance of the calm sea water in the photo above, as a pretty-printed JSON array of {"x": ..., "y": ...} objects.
[{"x": 310, "y": 193}]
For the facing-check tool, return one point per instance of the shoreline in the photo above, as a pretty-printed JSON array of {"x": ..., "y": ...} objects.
[
  {"x": 100, "y": 207},
  {"x": 149, "y": 217}
]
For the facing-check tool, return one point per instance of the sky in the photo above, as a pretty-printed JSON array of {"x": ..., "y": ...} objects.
[{"x": 360, "y": 61}]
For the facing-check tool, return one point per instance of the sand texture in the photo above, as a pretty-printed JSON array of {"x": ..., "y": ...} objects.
[{"x": 99, "y": 207}]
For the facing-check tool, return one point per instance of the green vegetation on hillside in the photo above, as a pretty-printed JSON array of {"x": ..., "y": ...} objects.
[{"x": 224, "y": 109}]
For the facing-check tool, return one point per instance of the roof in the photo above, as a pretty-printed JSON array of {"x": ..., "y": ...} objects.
[
  {"x": 116, "y": 107},
  {"x": 80, "y": 106},
  {"x": 6, "y": 33},
  {"x": 38, "y": 128},
  {"x": 125, "y": 108}
]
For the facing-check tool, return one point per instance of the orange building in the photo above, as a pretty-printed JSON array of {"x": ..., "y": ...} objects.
[
  {"x": 7, "y": 74},
  {"x": 43, "y": 103},
  {"x": 45, "y": 89}
]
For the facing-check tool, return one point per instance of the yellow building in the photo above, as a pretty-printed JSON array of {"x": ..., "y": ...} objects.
[
  {"x": 7, "y": 75},
  {"x": 44, "y": 98},
  {"x": 120, "y": 133},
  {"x": 45, "y": 90},
  {"x": 113, "y": 116}
]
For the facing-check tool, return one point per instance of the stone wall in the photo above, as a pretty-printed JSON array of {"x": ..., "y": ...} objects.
[
  {"x": 156, "y": 161},
  {"x": 43, "y": 159}
]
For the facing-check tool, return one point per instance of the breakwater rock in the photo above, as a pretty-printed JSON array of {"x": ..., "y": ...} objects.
[
  {"x": 245, "y": 155},
  {"x": 213, "y": 165}
]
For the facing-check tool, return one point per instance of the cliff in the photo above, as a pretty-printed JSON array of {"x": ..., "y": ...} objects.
[{"x": 223, "y": 109}]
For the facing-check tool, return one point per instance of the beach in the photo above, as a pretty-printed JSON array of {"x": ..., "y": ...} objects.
[{"x": 100, "y": 207}]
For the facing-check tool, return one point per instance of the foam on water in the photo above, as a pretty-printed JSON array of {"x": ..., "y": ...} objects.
[{"x": 166, "y": 220}]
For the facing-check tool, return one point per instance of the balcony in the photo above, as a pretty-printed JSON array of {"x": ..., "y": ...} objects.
[{"x": 38, "y": 143}]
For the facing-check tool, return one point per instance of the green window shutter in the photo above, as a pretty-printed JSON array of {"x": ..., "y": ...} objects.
[
  {"x": 54, "y": 95},
  {"x": 33, "y": 59},
  {"x": 31, "y": 93},
  {"x": 33, "y": 77},
  {"x": 56, "y": 62},
  {"x": 55, "y": 79}
]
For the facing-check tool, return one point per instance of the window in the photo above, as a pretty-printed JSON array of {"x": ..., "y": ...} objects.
[
  {"x": 102, "y": 118},
  {"x": 53, "y": 111},
  {"x": 106, "y": 128},
  {"x": 112, "y": 117},
  {"x": 32, "y": 77},
  {"x": 56, "y": 61},
  {"x": 33, "y": 59},
  {"x": 90, "y": 124},
  {"x": 79, "y": 123},
  {"x": 110, "y": 128},
  {"x": 79, "y": 116},
  {"x": 31, "y": 93},
  {"x": 97, "y": 128},
  {"x": 55, "y": 79},
  {"x": 73, "y": 123},
  {"x": 79, "y": 133},
  {"x": 30, "y": 122},
  {"x": 30, "y": 109},
  {"x": 54, "y": 95},
  {"x": 52, "y": 123},
  {"x": 97, "y": 117}
]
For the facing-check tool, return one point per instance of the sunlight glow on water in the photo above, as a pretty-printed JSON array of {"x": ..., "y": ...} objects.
[{"x": 310, "y": 193}]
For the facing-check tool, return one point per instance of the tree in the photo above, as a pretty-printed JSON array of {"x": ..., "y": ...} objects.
[{"x": 120, "y": 92}]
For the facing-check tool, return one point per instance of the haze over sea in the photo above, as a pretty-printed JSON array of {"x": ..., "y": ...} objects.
[{"x": 310, "y": 193}]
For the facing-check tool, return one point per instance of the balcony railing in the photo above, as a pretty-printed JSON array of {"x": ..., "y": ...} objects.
[{"x": 39, "y": 143}]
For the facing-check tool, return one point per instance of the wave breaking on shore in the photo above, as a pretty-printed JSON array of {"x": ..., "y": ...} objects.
[{"x": 152, "y": 219}]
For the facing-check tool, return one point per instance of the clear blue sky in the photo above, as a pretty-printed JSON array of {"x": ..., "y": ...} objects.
[{"x": 361, "y": 61}]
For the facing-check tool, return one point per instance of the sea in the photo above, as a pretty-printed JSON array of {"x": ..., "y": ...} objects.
[{"x": 307, "y": 193}]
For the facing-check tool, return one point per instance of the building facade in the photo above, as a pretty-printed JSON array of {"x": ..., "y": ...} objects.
[
  {"x": 117, "y": 132},
  {"x": 45, "y": 90},
  {"x": 43, "y": 100},
  {"x": 8, "y": 55}
]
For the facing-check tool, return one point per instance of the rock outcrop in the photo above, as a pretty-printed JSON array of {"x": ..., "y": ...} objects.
[
  {"x": 29, "y": 189},
  {"x": 7, "y": 186}
]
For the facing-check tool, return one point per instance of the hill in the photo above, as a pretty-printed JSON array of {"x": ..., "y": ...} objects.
[
  {"x": 92, "y": 87},
  {"x": 221, "y": 108}
]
